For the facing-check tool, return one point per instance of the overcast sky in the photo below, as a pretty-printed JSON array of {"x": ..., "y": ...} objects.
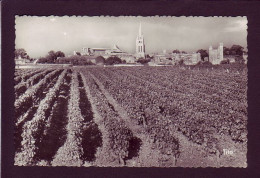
[{"x": 38, "y": 35}]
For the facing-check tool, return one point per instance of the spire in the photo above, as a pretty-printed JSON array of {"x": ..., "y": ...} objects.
[{"x": 140, "y": 29}]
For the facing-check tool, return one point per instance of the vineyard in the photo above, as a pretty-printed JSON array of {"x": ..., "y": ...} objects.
[{"x": 130, "y": 116}]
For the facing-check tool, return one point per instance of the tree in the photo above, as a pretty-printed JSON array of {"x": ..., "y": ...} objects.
[
  {"x": 22, "y": 53},
  {"x": 203, "y": 53},
  {"x": 78, "y": 53},
  {"x": 52, "y": 56},
  {"x": 226, "y": 51},
  {"x": 42, "y": 60},
  {"x": 148, "y": 56},
  {"x": 184, "y": 52},
  {"x": 181, "y": 62},
  {"x": 100, "y": 60},
  {"x": 59, "y": 54},
  {"x": 176, "y": 51},
  {"x": 143, "y": 61},
  {"x": 237, "y": 50},
  {"x": 49, "y": 59},
  {"x": 113, "y": 60},
  {"x": 32, "y": 59}
]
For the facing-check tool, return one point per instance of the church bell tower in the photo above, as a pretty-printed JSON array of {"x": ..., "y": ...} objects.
[{"x": 140, "y": 47}]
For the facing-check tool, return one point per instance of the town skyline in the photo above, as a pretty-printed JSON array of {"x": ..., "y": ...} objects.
[{"x": 39, "y": 35}]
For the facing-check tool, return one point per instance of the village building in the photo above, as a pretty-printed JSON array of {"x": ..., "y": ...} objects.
[
  {"x": 191, "y": 59},
  {"x": 230, "y": 58},
  {"x": 20, "y": 60},
  {"x": 116, "y": 51},
  {"x": 94, "y": 51},
  {"x": 216, "y": 55},
  {"x": 173, "y": 58},
  {"x": 163, "y": 58},
  {"x": 109, "y": 52}
]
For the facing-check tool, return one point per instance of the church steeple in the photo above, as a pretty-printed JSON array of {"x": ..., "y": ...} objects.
[
  {"x": 140, "y": 30},
  {"x": 140, "y": 47}
]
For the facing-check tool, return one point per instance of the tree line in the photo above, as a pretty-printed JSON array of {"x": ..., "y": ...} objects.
[
  {"x": 52, "y": 56},
  {"x": 58, "y": 57},
  {"x": 21, "y": 53}
]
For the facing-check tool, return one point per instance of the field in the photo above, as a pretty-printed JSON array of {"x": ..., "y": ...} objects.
[{"x": 131, "y": 116}]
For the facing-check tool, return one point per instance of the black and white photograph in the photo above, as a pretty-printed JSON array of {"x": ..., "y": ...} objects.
[{"x": 130, "y": 91}]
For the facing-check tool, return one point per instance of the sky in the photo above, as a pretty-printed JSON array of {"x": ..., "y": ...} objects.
[{"x": 39, "y": 35}]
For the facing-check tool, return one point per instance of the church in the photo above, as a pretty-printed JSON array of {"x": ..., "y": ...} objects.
[
  {"x": 140, "y": 47},
  {"x": 116, "y": 51}
]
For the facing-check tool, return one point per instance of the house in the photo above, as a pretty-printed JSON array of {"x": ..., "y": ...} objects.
[
  {"x": 163, "y": 58},
  {"x": 20, "y": 60}
]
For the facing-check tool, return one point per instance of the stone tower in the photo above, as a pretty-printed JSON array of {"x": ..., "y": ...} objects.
[
  {"x": 216, "y": 55},
  {"x": 140, "y": 47},
  {"x": 210, "y": 54},
  {"x": 220, "y": 51}
]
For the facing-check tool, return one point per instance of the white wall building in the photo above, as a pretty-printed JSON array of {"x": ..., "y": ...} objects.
[
  {"x": 21, "y": 60},
  {"x": 108, "y": 52},
  {"x": 216, "y": 55}
]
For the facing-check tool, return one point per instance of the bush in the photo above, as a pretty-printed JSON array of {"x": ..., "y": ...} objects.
[
  {"x": 199, "y": 63},
  {"x": 239, "y": 59},
  {"x": 181, "y": 62},
  {"x": 225, "y": 61},
  {"x": 100, "y": 59},
  {"x": 113, "y": 60},
  {"x": 143, "y": 61},
  {"x": 42, "y": 60},
  {"x": 207, "y": 63},
  {"x": 75, "y": 60}
]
